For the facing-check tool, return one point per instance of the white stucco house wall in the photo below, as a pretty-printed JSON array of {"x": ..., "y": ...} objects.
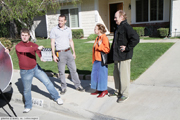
[
  {"x": 175, "y": 18},
  {"x": 90, "y": 12}
]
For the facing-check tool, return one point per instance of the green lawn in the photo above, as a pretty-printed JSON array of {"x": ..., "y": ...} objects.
[
  {"x": 144, "y": 55},
  {"x": 157, "y": 38},
  {"x": 150, "y": 38}
]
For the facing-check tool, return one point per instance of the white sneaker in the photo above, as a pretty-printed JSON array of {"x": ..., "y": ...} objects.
[
  {"x": 26, "y": 110},
  {"x": 59, "y": 101}
]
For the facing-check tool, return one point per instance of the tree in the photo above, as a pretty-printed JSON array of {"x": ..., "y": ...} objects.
[{"x": 24, "y": 11}]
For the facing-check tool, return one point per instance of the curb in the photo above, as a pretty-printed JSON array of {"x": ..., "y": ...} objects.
[
  {"x": 54, "y": 107},
  {"x": 68, "y": 76},
  {"x": 81, "y": 76}
]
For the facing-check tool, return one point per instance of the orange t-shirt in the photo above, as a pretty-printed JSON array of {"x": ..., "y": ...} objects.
[{"x": 99, "y": 47}]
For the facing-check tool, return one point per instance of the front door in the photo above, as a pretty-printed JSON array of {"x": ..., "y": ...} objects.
[{"x": 112, "y": 10}]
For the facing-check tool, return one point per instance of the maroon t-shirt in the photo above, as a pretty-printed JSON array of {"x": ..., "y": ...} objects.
[{"x": 26, "y": 53}]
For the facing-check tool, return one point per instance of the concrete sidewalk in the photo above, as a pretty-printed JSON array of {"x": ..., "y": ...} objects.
[
  {"x": 155, "y": 95},
  {"x": 76, "y": 104}
]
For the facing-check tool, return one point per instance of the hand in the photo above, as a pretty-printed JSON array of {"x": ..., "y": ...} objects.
[
  {"x": 99, "y": 43},
  {"x": 74, "y": 55},
  {"x": 7, "y": 51},
  {"x": 42, "y": 60},
  {"x": 122, "y": 48},
  {"x": 55, "y": 58},
  {"x": 40, "y": 47}
]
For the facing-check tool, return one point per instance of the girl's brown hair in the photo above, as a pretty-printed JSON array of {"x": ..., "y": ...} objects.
[{"x": 101, "y": 28}]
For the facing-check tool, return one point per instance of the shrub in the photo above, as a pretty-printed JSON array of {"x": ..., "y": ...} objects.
[
  {"x": 77, "y": 33},
  {"x": 92, "y": 37},
  {"x": 163, "y": 32},
  {"x": 4, "y": 30},
  {"x": 6, "y": 42},
  {"x": 139, "y": 30}
]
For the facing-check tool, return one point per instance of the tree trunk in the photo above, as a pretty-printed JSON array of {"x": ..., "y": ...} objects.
[
  {"x": 32, "y": 33},
  {"x": 31, "y": 29},
  {"x": 13, "y": 29}
]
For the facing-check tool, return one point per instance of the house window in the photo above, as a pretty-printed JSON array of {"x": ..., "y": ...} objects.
[
  {"x": 156, "y": 10},
  {"x": 144, "y": 14},
  {"x": 71, "y": 17},
  {"x": 66, "y": 13},
  {"x": 141, "y": 10}
]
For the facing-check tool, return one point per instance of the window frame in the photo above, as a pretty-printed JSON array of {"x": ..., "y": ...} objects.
[
  {"x": 166, "y": 9},
  {"x": 78, "y": 6},
  {"x": 69, "y": 15},
  {"x": 142, "y": 12},
  {"x": 157, "y": 10}
]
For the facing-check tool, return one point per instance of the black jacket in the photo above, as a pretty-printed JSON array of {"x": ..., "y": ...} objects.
[{"x": 123, "y": 35}]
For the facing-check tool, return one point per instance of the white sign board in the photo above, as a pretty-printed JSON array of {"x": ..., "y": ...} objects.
[{"x": 46, "y": 54}]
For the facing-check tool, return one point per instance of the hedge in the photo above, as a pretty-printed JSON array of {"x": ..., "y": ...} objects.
[
  {"x": 77, "y": 33},
  {"x": 92, "y": 36},
  {"x": 4, "y": 30},
  {"x": 139, "y": 30},
  {"x": 163, "y": 32}
]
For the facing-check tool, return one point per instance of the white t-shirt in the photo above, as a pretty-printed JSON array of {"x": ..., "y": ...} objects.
[{"x": 62, "y": 37}]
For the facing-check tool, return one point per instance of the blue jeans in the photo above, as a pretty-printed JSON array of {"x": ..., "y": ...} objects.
[
  {"x": 27, "y": 76},
  {"x": 99, "y": 76}
]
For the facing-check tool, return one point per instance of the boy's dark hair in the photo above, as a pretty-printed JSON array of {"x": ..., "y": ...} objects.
[
  {"x": 25, "y": 30},
  {"x": 62, "y": 15}
]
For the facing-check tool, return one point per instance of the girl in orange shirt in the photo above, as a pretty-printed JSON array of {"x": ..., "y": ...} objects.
[{"x": 99, "y": 74}]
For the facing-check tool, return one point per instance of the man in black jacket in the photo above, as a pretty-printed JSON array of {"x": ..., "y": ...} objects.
[{"x": 125, "y": 39}]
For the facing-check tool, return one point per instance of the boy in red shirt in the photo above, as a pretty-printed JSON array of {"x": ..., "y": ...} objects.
[{"x": 25, "y": 51}]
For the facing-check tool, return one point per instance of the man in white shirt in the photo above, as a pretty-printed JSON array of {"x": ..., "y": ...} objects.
[{"x": 61, "y": 39}]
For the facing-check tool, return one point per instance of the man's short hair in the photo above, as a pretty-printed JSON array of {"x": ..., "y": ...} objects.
[
  {"x": 62, "y": 15},
  {"x": 121, "y": 12},
  {"x": 25, "y": 30}
]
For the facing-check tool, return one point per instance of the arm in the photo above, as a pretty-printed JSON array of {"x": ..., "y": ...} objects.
[
  {"x": 38, "y": 51},
  {"x": 25, "y": 49},
  {"x": 52, "y": 37},
  {"x": 55, "y": 58},
  {"x": 72, "y": 46},
  {"x": 132, "y": 37},
  {"x": 39, "y": 54}
]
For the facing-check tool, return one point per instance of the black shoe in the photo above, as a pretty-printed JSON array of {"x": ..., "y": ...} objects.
[
  {"x": 63, "y": 91},
  {"x": 121, "y": 99},
  {"x": 80, "y": 88}
]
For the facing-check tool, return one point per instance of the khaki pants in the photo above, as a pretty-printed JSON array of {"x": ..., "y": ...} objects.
[
  {"x": 66, "y": 58},
  {"x": 122, "y": 76}
]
